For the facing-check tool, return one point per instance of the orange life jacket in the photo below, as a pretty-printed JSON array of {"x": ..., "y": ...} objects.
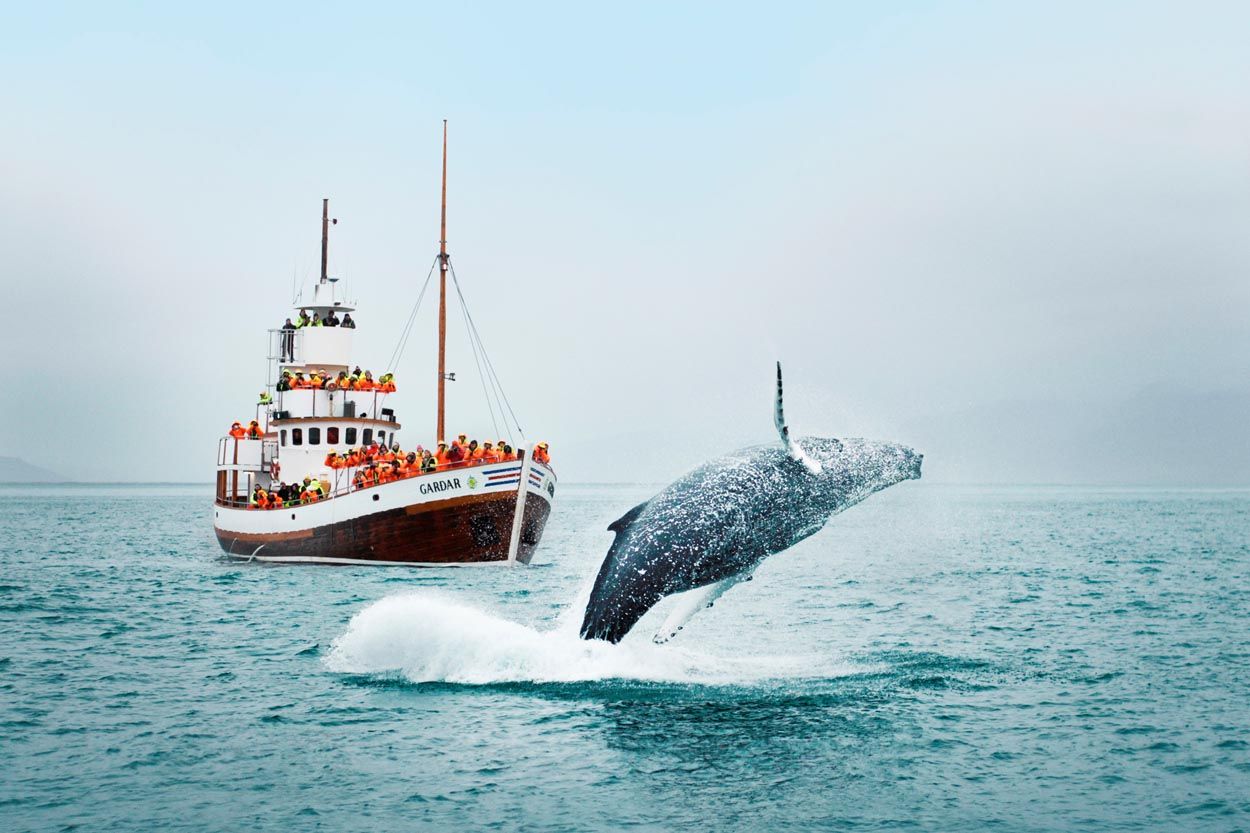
[{"x": 237, "y": 431}]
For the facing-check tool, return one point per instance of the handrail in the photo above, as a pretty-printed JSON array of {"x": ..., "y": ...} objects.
[{"x": 348, "y": 488}]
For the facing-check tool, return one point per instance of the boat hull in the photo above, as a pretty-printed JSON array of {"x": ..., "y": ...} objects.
[{"x": 450, "y": 519}]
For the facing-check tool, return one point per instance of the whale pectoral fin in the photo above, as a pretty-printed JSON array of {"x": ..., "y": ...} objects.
[
  {"x": 625, "y": 520},
  {"x": 783, "y": 431},
  {"x": 690, "y": 603}
]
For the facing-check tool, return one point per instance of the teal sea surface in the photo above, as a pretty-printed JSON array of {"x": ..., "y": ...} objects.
[{"x": 937, "y": 658}]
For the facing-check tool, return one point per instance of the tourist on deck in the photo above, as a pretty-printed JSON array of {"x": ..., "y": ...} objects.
[
  {"x": 265, "y": 398},
  {"x": 253, "y": 430},
  {"x": 332, "y": 320},
  {"x": 348, "y": 322},
  {"x": 455, "y": 456},
  {"x": 386, "y": 383},
  {"x": 238, "y": 431},
  {"x": 508, "y": 454},
  {"x": 304, "y": 320},
  {"x": 287, "y": 341}
]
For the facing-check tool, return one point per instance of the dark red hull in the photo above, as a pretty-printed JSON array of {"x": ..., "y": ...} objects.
[{"x": 472, "y": 529}]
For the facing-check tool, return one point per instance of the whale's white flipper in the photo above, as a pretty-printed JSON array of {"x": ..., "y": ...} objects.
[
  {"x": 779, "y": 417},
  {"x": 690, "y": 603}
]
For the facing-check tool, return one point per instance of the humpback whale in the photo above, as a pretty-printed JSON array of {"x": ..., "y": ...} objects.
[{"x": 710, "y": 529}]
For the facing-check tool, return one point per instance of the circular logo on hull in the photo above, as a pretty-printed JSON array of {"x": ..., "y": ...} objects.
[{"x": 472, "y": 482}]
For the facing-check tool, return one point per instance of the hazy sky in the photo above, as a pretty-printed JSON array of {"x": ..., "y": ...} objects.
[{"x": 1015, "y": 236}]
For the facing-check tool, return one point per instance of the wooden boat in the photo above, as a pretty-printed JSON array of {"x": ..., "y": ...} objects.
[{"x": 467, "y": 513}]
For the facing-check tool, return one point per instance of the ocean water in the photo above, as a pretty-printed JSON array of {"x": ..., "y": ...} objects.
[{"x": 938, "y": 658}]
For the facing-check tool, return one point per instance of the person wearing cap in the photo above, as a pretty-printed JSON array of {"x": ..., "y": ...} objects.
[
  {"x": 237, "y": 430},
  {"x": 489, "y": 454},
  {"x": 333, "y": 460},
  {"x": 540, "y": 453},
  {"x": 253, "y": 430},
  {"x": 440, "y": 456},
  {"x": 284, "y": 382}
]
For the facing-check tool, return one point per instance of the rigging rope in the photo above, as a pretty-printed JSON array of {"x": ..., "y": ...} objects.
[
  {"x": 481, "y": 375},
  {"x": 407, "y": 331},
  {"x": 474, "y": 335}
]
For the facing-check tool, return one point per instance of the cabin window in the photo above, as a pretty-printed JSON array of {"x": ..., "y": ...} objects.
[
  {"x": 297, "y": 436},
  {"x": 381, "y": 438},
  {"x": 368, "y": 436},
  {"x": 351, "y": 437},
  {"x": 282, "y": 435},
  {"x": 332, "y": 435},
  {"x": 314, "y": 436}
]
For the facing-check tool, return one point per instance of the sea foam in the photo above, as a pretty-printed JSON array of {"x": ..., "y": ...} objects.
[{"x": 428, "y": 637}]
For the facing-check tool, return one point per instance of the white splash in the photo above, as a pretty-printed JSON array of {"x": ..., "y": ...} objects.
[{"x": 425, "y": 637}]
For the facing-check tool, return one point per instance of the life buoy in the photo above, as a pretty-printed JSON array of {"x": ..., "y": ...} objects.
[{"x": 332, "y": 386}]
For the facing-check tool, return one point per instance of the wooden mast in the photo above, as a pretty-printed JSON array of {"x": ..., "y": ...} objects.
[
  {"x": 325, "y": 237},
  {"x": 442, "y": 298}
]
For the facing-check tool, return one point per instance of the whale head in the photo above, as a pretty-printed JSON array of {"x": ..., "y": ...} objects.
[{"x": 872, "y": 464}]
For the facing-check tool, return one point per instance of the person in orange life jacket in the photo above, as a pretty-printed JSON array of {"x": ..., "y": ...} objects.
[
  {"x": 473, "y": 454},
  {"x": 489, "y": 455},
  {"x": 440, "y": 456},
  {"x": 237, "y": 431},
  {"x": 509, "y": 455},
  {"x": 386, "y": 384},
  {"x": 333, "y": 460},
  {"x": 306, "y": 494},
  {"x": 253, "y": 430},
  {"x": 540, "y": 453}
]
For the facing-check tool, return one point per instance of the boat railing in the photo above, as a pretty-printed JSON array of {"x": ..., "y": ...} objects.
[{"x": 342, "y": 484}]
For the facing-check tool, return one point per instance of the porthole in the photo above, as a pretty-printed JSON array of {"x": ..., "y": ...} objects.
[
  {"x": 292, "y": 516},
  {"x": 375, "y": 497}
]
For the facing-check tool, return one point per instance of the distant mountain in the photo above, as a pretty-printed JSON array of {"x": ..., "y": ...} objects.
[{"x": 14, "y": 470}]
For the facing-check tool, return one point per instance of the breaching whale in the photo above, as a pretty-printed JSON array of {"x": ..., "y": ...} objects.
[{"x": 713, "y": 527}]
